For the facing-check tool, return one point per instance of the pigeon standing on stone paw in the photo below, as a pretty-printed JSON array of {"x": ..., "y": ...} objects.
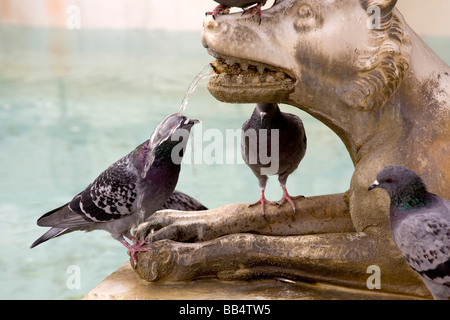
[
  {"x": 420, "y": 226},
  {"x": 287, "y": 151},
  {"x": 127, "y": 192},
  {"x": 225, "y": 5}
]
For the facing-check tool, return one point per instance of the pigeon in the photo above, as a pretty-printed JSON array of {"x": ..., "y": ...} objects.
[
  {"x": 181, "y": 201},
  {"x": 225, "y": 5},
  {"x": 127, "y": 192},
  {"x": 420, "y": 227},
  {"x": 290, "y": 147}
]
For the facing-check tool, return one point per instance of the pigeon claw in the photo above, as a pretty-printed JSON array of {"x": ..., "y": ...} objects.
[
  {"x": 288, "y": 198},
  {"x": 255, "y": 11},
  {"x": 137, "y": 246},
  {"x": 132, "y": 254},
  {"x": 219, "y": 10},
  {"x": 263, "y": 201}
]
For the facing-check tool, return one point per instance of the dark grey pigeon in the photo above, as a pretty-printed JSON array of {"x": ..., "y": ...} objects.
[
  {"x": 267, "y": 120},
  {"x": 420, "y": 226},
  {"x": 225, "y": 5},
  {"x": 129, "y": 191}
]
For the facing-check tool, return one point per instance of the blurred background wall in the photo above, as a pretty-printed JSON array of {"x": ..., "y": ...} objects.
[{"x": 429, "y": 18}]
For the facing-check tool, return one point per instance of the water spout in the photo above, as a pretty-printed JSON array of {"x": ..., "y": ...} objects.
[{"x": 206, "y": 72}]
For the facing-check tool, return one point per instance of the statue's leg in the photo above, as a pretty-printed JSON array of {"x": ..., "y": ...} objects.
[
  {"x": 320, "y": 214},
  {"x": 341, "y": 258}
]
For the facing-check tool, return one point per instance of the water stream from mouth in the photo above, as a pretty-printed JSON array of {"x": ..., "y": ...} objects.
[{"x": 206, "y": 72}]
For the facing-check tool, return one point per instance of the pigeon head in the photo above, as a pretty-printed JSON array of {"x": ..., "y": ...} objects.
[
  {"x": 169, "y": 140},
  {"x": 171, "y": 124},
  {"x": 265, "y": 112},
  {"x": 405, "y": 188}
]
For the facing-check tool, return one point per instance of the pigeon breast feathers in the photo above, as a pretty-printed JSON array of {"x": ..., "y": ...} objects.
[{"x": 428, "y": 231}]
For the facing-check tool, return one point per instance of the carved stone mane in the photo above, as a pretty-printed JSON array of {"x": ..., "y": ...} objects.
[{"x": 383, "y": 65}]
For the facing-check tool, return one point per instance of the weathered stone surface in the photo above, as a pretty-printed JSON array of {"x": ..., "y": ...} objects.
[{"x": 124, "y": 284}]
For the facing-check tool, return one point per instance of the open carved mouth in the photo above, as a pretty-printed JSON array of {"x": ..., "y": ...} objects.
[{"x": 243, "y": 81}]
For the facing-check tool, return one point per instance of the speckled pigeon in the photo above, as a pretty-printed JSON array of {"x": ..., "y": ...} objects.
[
  {"x": 225, "y": 5},
  {"x": 288, "y": 150},
  {"x": 127, "y": 192},
  {"x": 420, "y": 226},
  {"x": 181, "y": 201}
]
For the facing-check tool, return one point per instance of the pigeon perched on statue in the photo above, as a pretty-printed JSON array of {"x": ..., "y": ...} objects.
[
  {"x": 225, "y": 5},
  {"x": 420, "y": 226},
  {"x": 278, "y": 134},
  {"x": 129, "y": 191}
]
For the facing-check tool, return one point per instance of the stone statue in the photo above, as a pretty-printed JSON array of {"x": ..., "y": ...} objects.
[{"x": 360, "y": 69}]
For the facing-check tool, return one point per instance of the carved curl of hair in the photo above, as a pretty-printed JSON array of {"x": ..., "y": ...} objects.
[{"x": 383, "y": 65}]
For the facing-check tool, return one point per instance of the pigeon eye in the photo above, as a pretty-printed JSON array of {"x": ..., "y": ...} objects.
[{"x": 388, "y": 180}]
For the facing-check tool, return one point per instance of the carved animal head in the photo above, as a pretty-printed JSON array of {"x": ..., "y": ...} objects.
[{"x": 353, "y": 52}]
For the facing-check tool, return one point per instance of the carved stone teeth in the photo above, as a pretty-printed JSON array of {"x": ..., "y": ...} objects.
[
  {"x": 260, "y": 69},
  {"x": 281, "y": 75},
  {"x": 230, "y": 70},
  {"x": 244, "y": 66},
  {"x": 230, "y": 62}
]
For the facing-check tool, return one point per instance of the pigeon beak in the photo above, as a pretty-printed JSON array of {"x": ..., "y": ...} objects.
[
  {"x": 262, "y": 114},
  {"x": 191, "y": 122},
  {"x": 374, "y": 185}
]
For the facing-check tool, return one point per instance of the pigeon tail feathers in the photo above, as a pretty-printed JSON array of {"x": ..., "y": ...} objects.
[
  {"x": 63, "y": 217},
  {"x": 50, "y": 234}
]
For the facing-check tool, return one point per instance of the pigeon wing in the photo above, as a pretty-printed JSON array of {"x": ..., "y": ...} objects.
[
  {"x": 424, "y": 240},
  {"x": 181, "y": 201},
  {"x": 111, "y": 196}
]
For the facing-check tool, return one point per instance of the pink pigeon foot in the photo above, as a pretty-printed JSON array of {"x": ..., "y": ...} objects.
[
  {"x": 255, "y": 11},
  {"x": 262, "y": 201},
  {"x": 287, "y": 197},
  {"x": 219, "y": 10},
  {"x": 137, "y": 246}
]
